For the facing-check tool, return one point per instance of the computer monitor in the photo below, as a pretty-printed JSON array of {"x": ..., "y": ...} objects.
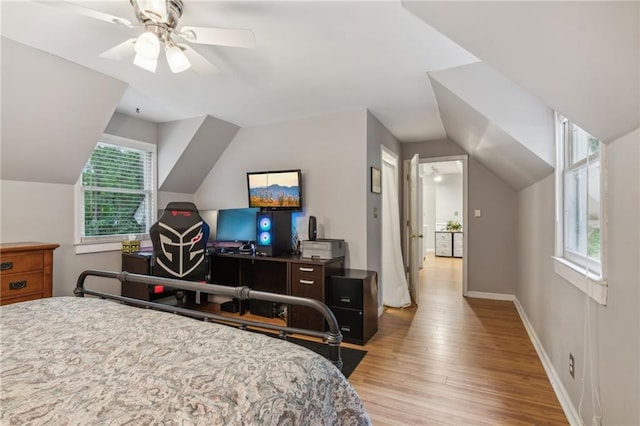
[{"x": 236, "y": 225}]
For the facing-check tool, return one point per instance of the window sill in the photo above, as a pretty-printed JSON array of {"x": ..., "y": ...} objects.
[
  {"x": 590, "y": 284},
  {"x": 95, "y": 247}
]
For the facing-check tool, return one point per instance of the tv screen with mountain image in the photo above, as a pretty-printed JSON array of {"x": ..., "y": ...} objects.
[{"x": 279, "y": 190}]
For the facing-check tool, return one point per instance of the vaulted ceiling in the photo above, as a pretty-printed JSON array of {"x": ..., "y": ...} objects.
[{"x": 486, "y": 75}]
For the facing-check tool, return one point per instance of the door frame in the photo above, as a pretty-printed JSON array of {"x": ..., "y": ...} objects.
[{"x": 465, "y": 211}]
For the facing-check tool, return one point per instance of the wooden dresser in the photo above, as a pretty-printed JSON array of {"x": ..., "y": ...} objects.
[{"x": 26, "y": 271}]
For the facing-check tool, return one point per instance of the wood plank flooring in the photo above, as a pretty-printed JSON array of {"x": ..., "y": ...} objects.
[{"x": 454, "y": 361}]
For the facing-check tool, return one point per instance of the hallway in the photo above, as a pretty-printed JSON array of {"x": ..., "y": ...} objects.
[{"x": 454, "y": 361}]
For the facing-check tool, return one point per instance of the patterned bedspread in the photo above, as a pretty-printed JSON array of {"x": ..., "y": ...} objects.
[{"x": 67, "y": 360}]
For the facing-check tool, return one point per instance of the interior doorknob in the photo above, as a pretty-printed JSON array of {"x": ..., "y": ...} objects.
[{"x": 417, "y": 236}]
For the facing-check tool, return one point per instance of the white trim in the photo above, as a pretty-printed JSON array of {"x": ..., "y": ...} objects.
[
  {"x": 107, "y": 243},
  {"x": 104, "y": 247},
  {"x": 562, "y": 394},
  {"x": 589, "y": 283},
  {"x": 491, "y": 296},
  {"x": 128, "y": 143},
  {"x": 380, "y": 310}
]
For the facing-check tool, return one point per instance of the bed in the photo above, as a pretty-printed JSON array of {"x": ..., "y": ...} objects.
[{"x": 85, "y": 360}]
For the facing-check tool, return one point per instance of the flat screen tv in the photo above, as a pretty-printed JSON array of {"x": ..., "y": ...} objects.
[{"x": 279, "y": 190}]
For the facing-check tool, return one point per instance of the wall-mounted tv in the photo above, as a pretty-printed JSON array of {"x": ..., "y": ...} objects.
[{"x": 275, "y": 190}]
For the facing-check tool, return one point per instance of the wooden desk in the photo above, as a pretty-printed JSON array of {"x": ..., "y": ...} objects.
[{"x": 287, "y": 274}]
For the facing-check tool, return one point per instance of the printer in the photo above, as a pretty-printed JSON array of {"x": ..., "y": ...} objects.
[{"x": 323, "y": 248}]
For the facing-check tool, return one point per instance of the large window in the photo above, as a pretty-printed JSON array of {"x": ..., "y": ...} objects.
[
  {"x": 117, "y": 191},
  {"x": 580, "y": 198}
]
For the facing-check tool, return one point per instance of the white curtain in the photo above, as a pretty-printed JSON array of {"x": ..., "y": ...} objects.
[{"x": 395, "y": 291}]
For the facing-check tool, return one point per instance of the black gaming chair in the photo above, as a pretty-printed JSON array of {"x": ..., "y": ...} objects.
[{"x": 179, "y": 240}]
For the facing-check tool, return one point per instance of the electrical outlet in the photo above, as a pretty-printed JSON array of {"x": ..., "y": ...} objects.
[{"x": 572, "y": 365}]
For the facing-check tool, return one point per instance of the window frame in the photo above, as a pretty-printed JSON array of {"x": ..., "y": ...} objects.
[
  {"x": 576, "y": 268},
  {"x": 114, "y": 242}
]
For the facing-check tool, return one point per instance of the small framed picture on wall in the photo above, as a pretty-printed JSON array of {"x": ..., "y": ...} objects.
[{"x": 376, "y": 180}]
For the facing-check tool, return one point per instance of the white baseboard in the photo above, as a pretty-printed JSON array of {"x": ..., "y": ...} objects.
[
  {"x": 380, "y": 310},
  {"x": 492, "y": 296},
  {"x": 563, "y": 397}
]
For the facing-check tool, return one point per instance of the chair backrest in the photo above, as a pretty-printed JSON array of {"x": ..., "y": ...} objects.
[{"x": 179, "y": 239}]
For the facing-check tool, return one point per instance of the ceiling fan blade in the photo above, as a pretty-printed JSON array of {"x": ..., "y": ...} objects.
[
  {"x": 199, "y": 63},
  {"x": 122, "y": 51},
  {"x": 81, "y": 10},
  {"x": 219, "y": 36}
]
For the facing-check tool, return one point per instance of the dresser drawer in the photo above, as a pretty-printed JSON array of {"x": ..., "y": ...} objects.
[
  {"x": 14, "y": 285},
  {"x": 11, "y": 264}
]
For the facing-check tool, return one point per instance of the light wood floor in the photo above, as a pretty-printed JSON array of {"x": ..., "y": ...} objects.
[{"x": 454, "y": 361}]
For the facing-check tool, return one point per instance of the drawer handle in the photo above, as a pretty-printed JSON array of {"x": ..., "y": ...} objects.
[
  {"x": 305, "y": 269},
  {"x": 307, "y": 282},
  {"x": 17, "y": 285},
  {"x": 6, "y": 265},
  {"x": 345, "y": 299},
  {"x": 345, "y": 328}
]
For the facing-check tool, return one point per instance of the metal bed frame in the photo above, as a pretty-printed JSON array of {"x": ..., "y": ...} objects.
[{"x": 333, "y": 337}]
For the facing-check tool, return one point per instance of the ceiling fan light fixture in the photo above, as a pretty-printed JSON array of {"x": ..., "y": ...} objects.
[
  {"x": 153, "y": 9},
  {"x": 176, "y": 59},
  {"x": 148, "y": 45},
  {"x": 145, "y": 63}
]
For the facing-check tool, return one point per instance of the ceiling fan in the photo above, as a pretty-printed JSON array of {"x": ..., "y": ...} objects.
[{"x": 159, "y": 18}]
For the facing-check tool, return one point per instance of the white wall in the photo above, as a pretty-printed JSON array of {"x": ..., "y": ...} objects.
[
  {"x": 449, "y": 199},
  {"x": 440, "y": 201},
  {"x": 330, "y": 150},
  {"x": 429, "y": 213},
  {"x": 557, "y": 310}
]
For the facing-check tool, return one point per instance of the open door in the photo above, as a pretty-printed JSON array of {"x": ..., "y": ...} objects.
[{"x": 412, "y": 233}]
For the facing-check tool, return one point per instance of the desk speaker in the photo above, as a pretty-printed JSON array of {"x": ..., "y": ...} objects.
[{"x": 274, "y": 233}]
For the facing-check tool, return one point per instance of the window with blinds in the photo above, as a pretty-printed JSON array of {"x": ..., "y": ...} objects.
[{"x": 117, "y": 191}]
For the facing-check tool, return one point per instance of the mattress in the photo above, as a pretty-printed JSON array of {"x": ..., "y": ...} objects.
[{"x": 68, "y": 360}]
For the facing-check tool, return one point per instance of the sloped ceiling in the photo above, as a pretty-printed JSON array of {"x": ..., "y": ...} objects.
[
  {"x": 54, "y": 113},
  {"x": 503, "y": 126},
  {"x": 187, "y": 149},
  {"x": 173, "y": 139},
  {"x": 505, "y": 156},
  {"x": 580, "y": 58}
]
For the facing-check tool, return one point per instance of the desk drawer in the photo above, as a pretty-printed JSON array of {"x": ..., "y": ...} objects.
[
  {"x": 307, "y": 280},
  {"x": 12, "y": 264},
  {"x": 14, "y": 285}
]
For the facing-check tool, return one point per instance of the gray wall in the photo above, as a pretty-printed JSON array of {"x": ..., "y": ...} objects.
[
  {"x": 33, "y": 211},
  {"x": 377, "y": 135},
  {"x": 492, "y": 238},
  {"x": 556, "y": 309},
  {"x": 132, "y": 128},
  {"x": 332, "y": 153},
  {"x": 36, "y": 211}
]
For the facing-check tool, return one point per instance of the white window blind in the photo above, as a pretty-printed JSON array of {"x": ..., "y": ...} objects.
[{"x": 117, "y": 190}]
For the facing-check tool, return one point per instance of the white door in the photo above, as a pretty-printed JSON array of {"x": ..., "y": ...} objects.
[{"x": 412, "y": 223}]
